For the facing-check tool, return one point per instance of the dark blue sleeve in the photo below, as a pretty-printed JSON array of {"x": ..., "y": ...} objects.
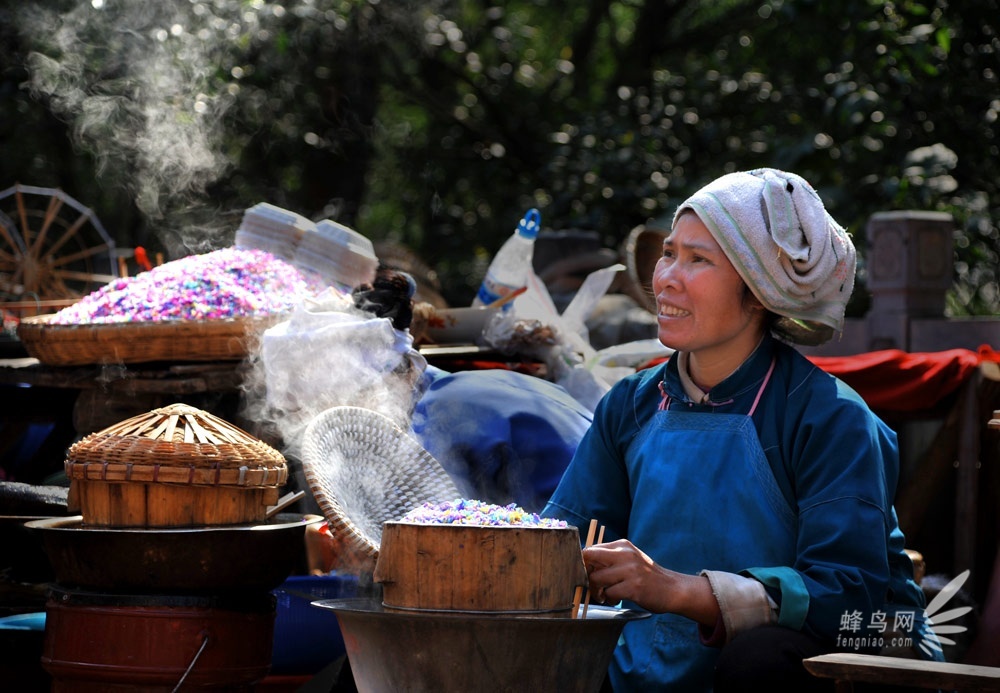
[
  {"x": 842, "y": 462},
  {"x": 596, "y": 484}
]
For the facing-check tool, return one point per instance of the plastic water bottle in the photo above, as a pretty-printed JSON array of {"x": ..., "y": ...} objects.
[{"x": 509, "y": 269}]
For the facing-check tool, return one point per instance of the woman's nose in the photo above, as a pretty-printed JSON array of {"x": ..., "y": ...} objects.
[{"x": 665, "y": 275}]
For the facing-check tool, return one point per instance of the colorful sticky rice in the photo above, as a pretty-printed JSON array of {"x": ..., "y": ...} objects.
[
  {"x": 475, "y": 512},
  {"x": 222, "y": 284}
]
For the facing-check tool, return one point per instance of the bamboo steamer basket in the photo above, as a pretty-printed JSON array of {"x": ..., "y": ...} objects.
[
  {"x": 141, "y": 342},
  {"x": 175, "y": 466},
  {"x": 492, "y": 570}
]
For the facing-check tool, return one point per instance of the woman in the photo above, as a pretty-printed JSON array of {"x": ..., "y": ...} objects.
[{"x": 746, "y": 495}]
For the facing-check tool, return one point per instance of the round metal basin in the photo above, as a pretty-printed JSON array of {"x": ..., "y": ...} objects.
[
  {"x": 175, "y": 560},
  {"x": 393, "y": 650}
]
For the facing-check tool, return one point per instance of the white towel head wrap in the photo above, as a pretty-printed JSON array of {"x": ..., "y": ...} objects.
[{"x": 795, "y": 258}]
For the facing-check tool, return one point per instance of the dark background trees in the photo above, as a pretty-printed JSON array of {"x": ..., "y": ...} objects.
[{"x": 436, "y": 124}]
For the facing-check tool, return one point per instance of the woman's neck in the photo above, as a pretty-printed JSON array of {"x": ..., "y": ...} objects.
[{"x": 708, "y": 370}]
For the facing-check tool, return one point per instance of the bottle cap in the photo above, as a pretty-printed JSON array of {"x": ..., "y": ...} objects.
[{"x": 530, "y": 224}]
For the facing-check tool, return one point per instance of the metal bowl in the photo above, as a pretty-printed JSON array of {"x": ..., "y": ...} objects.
[
  {"x": 392, "y": 650},
  {"x": 232, "y": 558},
  {"x": 460, "y": 325}
]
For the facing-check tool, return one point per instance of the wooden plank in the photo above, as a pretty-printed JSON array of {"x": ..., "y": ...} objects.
[
  {"x": 967, "y": 486},
  {"x": 898, "y": 671},
  {"x": 931, "y": 473},
  {"x": 55, "y": 303},
  {"x": 217, "y": 377}
]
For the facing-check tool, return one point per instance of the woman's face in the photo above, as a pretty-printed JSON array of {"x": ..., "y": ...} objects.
[{"x": 702, "y": 303}]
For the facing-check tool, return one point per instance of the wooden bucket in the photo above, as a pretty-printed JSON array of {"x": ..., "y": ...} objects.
[
  {"x": 480, "y": 569},
  {"x": 99, "y": 643}
]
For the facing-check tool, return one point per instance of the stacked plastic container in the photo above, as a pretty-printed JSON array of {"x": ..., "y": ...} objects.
[
  {"x": 273, "y": 229},
  {"x": 338, "y": 255}
]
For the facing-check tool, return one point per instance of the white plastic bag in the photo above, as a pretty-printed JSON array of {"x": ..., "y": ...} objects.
[{"x": 560, "y": 341}]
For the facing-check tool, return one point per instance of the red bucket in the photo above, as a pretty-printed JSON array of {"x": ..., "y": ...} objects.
[{"x": 99, "y": 643}]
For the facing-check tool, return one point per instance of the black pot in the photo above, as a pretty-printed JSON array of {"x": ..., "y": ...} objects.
[{"x": 235, "y": 558}]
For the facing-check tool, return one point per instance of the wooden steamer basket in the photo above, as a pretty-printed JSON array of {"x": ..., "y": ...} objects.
[
  {"x": 499, "y": 570},
  {"x": 175, "y": 466},
  {"x": 366, "y": 473}
]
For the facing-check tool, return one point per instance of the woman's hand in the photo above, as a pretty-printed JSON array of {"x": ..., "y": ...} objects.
[{"x": 619, "y": 570}]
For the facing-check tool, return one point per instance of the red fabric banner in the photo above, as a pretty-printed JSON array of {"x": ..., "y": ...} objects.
[{"x": 896, "y": 380}]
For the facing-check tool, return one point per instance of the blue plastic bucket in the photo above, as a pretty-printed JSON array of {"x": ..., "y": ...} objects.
[
  {"x": 306, "y": 639},
  {"x": 33, "y": 621}
]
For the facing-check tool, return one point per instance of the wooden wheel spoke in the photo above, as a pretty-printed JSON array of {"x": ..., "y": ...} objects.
[
  {"x": 72, "y": 231},
  {"x": 83, "y": 276},
  {"x": 22, "y": 213},
  {"x": 6, "y": 235},
  {"x": 85, "y": 253},
  {"x": 54, "y": 287},
  {"x": 55, "y": 204}
]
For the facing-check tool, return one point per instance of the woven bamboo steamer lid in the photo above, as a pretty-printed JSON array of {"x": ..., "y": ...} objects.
[
  {"x": 173, "y": 466},
  {"x": 364, "y": 470}
]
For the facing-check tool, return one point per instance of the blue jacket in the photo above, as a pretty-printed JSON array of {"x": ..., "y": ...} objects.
[{"x": 834, "y": 461}]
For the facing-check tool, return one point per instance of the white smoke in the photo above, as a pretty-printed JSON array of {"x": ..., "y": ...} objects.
[
  {"x": 327, "y": 354},
  {"x": 138, "y": 83}
]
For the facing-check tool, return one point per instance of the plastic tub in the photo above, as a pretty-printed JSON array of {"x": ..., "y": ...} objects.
[
  {"x": 32, "y": 621},
  {"x": 21, "y": 640},
  {"x": 307, "y": 639}
]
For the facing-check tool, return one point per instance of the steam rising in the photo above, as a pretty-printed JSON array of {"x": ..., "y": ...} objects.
[
  {"x": 330, "y": 354},
  {"x": 145, "y": 87},
  {"x": 134, "y": 80}
]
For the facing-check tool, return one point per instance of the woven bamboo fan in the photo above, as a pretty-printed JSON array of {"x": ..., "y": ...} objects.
[
  {"x": 364, "y": 471},
  {"x": 173, "y": 466}
]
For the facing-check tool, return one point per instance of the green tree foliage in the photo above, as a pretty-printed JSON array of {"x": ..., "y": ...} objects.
[{"x": 436, "y": 124}]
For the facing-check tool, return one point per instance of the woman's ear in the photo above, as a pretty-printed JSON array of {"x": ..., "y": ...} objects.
[{"x": 751, "y": 302}]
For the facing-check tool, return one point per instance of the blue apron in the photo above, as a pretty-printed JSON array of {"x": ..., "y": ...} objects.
[{"x": 704, "y": 498}]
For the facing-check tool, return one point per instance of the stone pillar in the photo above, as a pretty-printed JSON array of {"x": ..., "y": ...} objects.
[{"x": 910, "y": 268}]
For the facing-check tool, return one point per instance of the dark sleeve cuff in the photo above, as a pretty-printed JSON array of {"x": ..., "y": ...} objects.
[{"x": 713, "y": 637}]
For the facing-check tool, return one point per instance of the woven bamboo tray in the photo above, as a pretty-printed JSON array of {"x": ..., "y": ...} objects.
[
  {"x": 140, "y": 342},
  {"x": 642, "y": 249},
  {"x": 173, "y": 466},
  {"x": 363, "y": 471}
]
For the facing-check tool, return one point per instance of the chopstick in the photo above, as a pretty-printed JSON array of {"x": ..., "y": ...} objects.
[
  {"x": 579, "y": 590},
  {"x": 586, "y": 602}
]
